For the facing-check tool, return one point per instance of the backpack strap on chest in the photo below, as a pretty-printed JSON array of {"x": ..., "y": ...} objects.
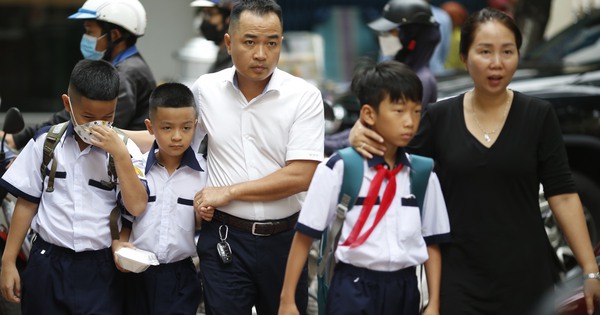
[
  {"x": 52, "y": 139},
  {"x": 419, "y": 177}
]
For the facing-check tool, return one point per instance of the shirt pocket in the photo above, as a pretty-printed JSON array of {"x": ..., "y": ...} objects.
[
  {"x": 184, "y": 214},
  {"x": 409, "y": 220}
]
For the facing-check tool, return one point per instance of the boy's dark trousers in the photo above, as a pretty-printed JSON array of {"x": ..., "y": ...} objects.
[
  {"x": 357, "y": 290},
  {"x": 58, "y": 280}
]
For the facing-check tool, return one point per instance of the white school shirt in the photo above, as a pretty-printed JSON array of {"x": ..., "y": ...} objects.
[
  {"x": 76, "y": 214},
  {"x": 167, "y": 225},
  {"x": 399, "y": 240},
  {"x": 250, "y": 140}
]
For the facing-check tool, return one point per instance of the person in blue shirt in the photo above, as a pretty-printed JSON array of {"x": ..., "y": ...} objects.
[{"x": 112, "y": 28}]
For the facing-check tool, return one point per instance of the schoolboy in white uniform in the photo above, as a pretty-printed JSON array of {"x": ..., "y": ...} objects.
[
  {"x": 375, "y": 273},
  {"x": 174, "y": 173},
  {"x": 70, "y": 268}
]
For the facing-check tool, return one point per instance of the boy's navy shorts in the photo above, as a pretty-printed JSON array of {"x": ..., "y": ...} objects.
[
  {"x": 58, "y": 280},
  {"x": 357, "y": 290},
  {"x": 172, "y": 288}
]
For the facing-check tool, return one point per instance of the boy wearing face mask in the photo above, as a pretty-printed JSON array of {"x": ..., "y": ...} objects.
[
  {"x": 214, "y": 25},
  {"x": 71, "y": 267},
  {"x": 112, "y": 28}
]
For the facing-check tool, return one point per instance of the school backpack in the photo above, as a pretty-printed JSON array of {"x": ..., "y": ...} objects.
[
  {"x": 351, "y": 182},
  {"x": 53, "y": 136}
]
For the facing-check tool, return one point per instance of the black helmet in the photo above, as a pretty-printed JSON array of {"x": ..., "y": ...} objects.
[{"x": 400, "y": 12}]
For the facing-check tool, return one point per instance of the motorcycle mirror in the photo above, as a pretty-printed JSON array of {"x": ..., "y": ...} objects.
[{"x": 13, "y": 121}]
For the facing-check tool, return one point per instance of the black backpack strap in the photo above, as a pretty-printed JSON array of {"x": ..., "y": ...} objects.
[
  {"x": 112, "y": 174},
  {"x": 52, "y": 139}
]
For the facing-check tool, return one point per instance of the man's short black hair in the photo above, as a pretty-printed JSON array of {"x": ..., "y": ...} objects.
[
  {"x": 173, "y": 95},
  {"x": 94, "y": 79},
  {"x": 258, "y": 7},
  {"x": 372, "y": 82}
]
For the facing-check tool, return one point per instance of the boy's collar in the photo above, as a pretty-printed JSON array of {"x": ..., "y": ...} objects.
[
  {"x": 188, "y": 158},
  {"x": 400, "y": 159}
]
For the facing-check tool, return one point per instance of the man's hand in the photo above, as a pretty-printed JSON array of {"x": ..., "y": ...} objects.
[
  {"x": 214, "y": 197},
  {"x": 366, "y": 141},
  {"x": 10, "y": 283}
]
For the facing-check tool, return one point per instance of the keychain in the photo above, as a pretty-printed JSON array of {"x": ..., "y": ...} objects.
[{"x": 223, "y": 247}]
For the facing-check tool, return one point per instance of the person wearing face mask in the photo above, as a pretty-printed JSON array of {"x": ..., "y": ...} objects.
[
  {"x": 112, "y": 28},
  {"x": 214, "y": 25},
  {"x": 71, "y": 268},
  {"x": 408, "y": 33}
]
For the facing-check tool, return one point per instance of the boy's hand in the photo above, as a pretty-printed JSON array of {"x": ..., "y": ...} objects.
[
  {"x": 366, "y": 141},
  {"x": 108, "y": 140},
  {"x": 10, "y": 283},
  {"x": 116, "y": 245},
  {"x": 431, "y": 311},
  {"x": 288, "y": 309}
]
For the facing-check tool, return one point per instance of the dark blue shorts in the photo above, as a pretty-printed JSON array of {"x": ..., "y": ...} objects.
[
  {"x": 164, "y": 290},
  {"x": 357, "y": 290},
  {"x": 58, "y": 280}
]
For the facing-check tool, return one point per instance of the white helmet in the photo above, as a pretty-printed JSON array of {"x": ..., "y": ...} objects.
[{"x": 128, "y": 14}]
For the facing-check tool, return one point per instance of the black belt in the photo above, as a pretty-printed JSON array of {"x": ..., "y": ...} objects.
[{"x": 258, "y": 228}]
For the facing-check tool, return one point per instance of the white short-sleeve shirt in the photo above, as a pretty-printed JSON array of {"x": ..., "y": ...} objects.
[
  {"x": 249, "y": 140},
  {"x": 76, "y": 214},
  {"x": 167, "y": 225},
  {"x": 399, "y": 240}
]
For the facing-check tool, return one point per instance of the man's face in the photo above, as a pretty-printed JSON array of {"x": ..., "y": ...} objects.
[{"x": 254, "y": 45}]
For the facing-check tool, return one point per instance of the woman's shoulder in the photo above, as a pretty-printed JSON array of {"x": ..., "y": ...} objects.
[
  {"x": 530, "y": 103},
  {"x": 446, "y": 105}
]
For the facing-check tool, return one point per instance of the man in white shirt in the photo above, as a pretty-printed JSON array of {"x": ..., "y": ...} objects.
[{"x": 266, "y": 133}]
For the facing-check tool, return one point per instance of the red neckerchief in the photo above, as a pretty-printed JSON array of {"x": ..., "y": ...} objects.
[{"x": 354, "y": 239}]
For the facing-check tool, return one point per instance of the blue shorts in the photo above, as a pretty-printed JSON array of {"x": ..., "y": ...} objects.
[{"x": 58, "y": 280}]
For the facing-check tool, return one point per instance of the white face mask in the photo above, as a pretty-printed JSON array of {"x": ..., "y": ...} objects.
[
  {"x": 389, "y": 44},
  {"x": 85, "y": 131}
]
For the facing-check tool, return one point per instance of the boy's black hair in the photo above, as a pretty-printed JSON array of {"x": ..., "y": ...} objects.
[
  {"x": 94, "y": 79},
  {"x": 372, "y": 82},
  {"x": 258, "y": 7},
  {"x": 173, "y": 95}
]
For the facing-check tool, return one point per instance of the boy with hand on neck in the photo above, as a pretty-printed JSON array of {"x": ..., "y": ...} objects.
[
  {"x": 378, "y": 250},
  {"x": 174, "y": 172},
  {"x": 70, "y": 255}
]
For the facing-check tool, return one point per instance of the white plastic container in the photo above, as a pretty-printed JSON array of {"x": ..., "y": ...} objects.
[{"x": 136, "y": 260}]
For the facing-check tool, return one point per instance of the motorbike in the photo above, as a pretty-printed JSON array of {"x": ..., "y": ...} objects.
[{"x": 13, "y": 123}]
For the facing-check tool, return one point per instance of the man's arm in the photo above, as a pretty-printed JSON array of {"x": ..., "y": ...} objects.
[{"x": 289, "y": 180}]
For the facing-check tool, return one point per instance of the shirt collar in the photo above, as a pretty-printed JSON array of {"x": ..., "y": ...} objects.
[
  {"x": 188, "y": 158},
  {"x": 400, "y": 159},
  {"x": 125, "y": 54},
  {"x": 274, "y": 83}
]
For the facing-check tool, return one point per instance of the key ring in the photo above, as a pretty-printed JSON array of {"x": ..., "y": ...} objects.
[{"x": 221, "y": 233}]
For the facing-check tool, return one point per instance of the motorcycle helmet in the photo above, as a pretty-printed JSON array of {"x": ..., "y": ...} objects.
[
  {"x": 401, "y": 12},
  {"x": 221, "y": 4},
  {"x": 128, "y": 14}
]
